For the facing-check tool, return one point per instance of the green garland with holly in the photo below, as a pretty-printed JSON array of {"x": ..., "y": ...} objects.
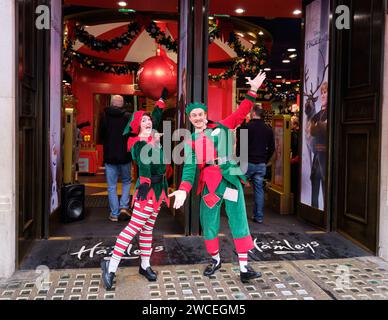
[
  {"x": 86, "y": 61},
  {"x": 117, "y": 43}
]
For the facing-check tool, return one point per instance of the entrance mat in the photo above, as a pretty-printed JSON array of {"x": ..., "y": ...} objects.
[
  {"x": 96, "y": 202},
  {"x": 88, "y": 252}
]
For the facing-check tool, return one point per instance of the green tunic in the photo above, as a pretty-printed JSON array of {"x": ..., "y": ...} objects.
[{"x": 150, "y": 160}]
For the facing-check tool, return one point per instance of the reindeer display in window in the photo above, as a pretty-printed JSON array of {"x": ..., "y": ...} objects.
[{"x": 309, "y": 106}]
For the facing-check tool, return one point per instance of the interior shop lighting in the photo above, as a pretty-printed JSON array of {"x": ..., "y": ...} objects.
[
  {"x": 240, "y": 34},
  {"x": 261, "y": 33},
  {"x": 267, "y": 69},
  {"x": 286, "y": 61},
  {"x": 293, "y": 56},
  {"x": 122, "y": 3},
  {"x": 279, "y": 77},
  {"x": 221, "y": 15},
  {"x": 291, "y": 50},
  {"x": 125, "y": 10},
  {"x": 297, "y": 12},
  {"x": 239, "y": 10}
]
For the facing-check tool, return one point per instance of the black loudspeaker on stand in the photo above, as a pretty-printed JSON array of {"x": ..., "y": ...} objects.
[{"x": 73, "y": 202}]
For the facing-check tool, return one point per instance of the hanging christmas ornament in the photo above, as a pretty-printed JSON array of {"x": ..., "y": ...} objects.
[{"x": 155, "y": 73}]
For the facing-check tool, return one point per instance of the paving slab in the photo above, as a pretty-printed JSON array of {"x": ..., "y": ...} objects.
[{"x": 362, "y": 278}]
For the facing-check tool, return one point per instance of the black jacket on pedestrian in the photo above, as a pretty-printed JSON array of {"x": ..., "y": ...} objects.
[
  {"x": 112, "y": 125},
  {"x": 261, "y": 143}
]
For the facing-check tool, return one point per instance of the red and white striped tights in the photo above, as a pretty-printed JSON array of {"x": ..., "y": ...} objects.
[{"x": 142, "y": 221}]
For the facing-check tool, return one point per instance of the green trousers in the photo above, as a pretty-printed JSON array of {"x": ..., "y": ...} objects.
[{"x": 236, "y": 212}]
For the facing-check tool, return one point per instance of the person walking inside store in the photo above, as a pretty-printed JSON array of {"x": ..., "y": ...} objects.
[
  {"x": 210, "y": 152},
  {"x": 151, "y": 189},
  {"x": 261, "y": 147},
  {"x": 117, "y": 159}
]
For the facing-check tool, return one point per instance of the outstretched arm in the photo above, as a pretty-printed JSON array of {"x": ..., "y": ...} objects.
[
  {"x": 237, "y": 117},
  {"x": 158, "y": 109}
]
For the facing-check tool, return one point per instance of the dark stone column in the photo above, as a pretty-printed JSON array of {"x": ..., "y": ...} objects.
[{"x": 193, "y": 81}]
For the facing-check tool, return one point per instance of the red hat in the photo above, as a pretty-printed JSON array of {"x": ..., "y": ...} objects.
[
  {"x": 135, "y": 121},
  {"x": 133, "y": 124}
]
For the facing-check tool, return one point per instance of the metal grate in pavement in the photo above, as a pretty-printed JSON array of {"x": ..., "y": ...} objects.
[
  {"x": 61, "y": 286},
  {"x": 350, "y": 279},
  {"x": 187, "y": 283}
]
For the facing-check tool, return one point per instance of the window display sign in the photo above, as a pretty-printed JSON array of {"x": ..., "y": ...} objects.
[
  {"x": 279, "y": 197},
  {"x": 315, "y": 106},
  {"x": 279, "y": 153},
  {"x": 55, "y": 102},
  {"x": 281, "y": 163}
]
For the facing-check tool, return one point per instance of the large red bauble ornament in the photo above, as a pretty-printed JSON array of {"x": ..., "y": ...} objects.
[{"x": 155, "y": 73}]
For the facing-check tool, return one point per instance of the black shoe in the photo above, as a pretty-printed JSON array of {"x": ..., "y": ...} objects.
[
  {"x": 259, "y": 221},
  {"x": 125, "y": 214},
  {"x": 249, "y": 275},
  {"x": 107, "y": 277},
  {"x": 211, "y": 268},
  {"x": 148, "y": 273}
]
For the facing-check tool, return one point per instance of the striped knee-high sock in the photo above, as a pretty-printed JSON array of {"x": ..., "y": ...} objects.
[
  {"x": 145, "y": 241},
  {"x": 243, "y": 260},
  {"x": 216, "y": 256},
  {"x": 138, "y": 219}
]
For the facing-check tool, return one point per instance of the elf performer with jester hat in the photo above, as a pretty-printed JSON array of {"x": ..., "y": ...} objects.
[
  {"x": 220, "y": 179},
  {"x": 151, "y": 190}
]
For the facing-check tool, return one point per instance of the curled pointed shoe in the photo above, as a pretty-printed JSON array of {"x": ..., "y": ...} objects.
[
  {"x": 211, "y": 268},
  {"x": 249, "y": 274},
  {"x": 148, "y": 273},
  {"x": 107, "y": 277}
]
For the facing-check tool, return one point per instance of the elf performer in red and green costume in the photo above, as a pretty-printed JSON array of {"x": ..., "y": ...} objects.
[
  {"x": 151, "y": 189},
  {"x": 220, "y": 178}
]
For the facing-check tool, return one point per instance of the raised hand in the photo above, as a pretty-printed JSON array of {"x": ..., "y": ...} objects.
[
  {"x": 256, "y": 82},
  {"x": 164, "y": 94},
  {"x": 180, "y": 197}
]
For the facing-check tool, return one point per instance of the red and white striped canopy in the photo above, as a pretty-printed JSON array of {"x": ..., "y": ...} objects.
[{"x": 144, "y": 46}]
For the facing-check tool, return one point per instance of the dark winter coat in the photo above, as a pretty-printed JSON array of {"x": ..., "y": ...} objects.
[{"x": 112, "y": 125}]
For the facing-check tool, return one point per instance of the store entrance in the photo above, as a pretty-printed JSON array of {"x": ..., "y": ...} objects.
[
  {"x": 102, "y": 61},
  {"x": 91, "y": 77},
  {"x": 90, "y": 172}
]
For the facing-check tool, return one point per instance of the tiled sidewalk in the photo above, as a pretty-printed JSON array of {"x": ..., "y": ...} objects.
[{"x": 344, "y": 279}]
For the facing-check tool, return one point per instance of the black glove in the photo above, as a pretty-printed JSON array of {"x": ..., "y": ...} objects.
[
  {"x": 164, "y": 94},
  {"x": 142, "y": 191}
]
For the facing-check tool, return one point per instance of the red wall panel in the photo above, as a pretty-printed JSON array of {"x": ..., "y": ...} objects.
[
  {"x": 86, "y": 83},
  {"x": 220, "y": 95}
]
